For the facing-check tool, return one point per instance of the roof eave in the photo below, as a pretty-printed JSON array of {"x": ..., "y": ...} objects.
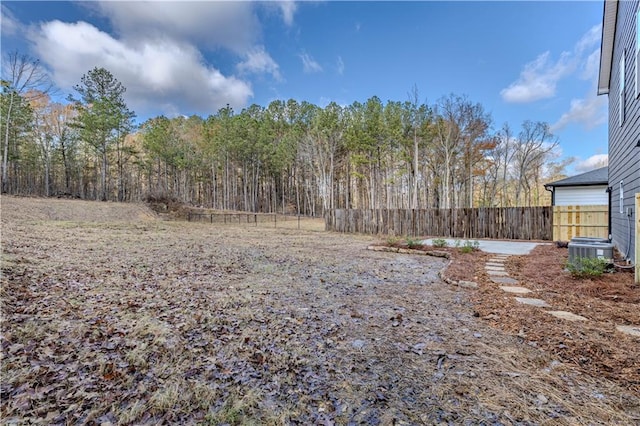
[
  {"x": 565, "y": 185},
  {"x": 606, "y": 47}
]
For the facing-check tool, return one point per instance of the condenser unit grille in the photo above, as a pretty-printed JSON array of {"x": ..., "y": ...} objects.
[{"x": 591, "y": 250}]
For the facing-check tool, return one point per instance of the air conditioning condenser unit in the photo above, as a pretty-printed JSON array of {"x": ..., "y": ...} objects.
[{"x": 591, "y": 250}]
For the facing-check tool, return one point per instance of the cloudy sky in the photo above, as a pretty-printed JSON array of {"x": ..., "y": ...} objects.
[{"x": 521, "y": 60}]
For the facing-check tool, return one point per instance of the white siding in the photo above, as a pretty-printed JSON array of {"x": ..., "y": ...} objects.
[{"x": 581, "y": 195}]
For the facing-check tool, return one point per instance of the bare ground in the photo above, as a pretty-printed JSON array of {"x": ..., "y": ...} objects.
[{"x": 110, "y": 316}]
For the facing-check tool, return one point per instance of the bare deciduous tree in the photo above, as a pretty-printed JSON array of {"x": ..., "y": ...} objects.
[
  {"x": 20, "y": 74},
  {"x": 534, "y": 145}
]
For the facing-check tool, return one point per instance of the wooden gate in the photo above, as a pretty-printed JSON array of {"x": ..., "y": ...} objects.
[{"x": 580, "y": 221}]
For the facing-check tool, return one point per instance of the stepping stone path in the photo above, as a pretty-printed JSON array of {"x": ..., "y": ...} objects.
[{"x": 499, "y": 275}]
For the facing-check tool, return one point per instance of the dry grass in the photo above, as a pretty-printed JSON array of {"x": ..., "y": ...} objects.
[{"x": 112, "y": 316}]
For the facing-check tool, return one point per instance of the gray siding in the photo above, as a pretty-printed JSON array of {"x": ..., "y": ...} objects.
[{"x": 624, "y": 156}]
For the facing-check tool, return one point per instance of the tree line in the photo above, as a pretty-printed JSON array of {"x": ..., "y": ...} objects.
[{"x": 290, "y": 156}]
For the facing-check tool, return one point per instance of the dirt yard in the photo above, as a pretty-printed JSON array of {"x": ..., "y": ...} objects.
[{"x": 112, "y": 316}]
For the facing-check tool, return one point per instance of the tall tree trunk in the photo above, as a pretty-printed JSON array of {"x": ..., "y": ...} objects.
[
  {"x": 5, "y": 155},
  {"x": 414, "y": 175}
]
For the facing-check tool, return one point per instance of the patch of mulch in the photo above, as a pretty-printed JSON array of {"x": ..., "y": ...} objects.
[{"x": 594, "y": 346}]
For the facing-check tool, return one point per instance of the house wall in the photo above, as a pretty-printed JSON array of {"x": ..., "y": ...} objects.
[
  {"x": 624, "y": 156},
  {"x": 581, "y": 195}
]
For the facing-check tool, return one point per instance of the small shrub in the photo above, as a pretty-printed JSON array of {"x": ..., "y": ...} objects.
[
  {"x": 470, "y": 246},
  {"x": 582, "y": 267},
  {"x": 393, "y": 240},
  {"x": 413, "y": 242},
  {"x": 440, "y": 242}
]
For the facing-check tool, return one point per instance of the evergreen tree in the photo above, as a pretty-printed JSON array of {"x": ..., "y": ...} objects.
[{"x": 103, "y": 118}]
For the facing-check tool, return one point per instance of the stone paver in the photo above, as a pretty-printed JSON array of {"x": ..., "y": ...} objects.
[
  {"x": 467, "y": 284},
  {"x": 633, "y": 330},
  {"x": 498, "y": 273},
  {"x": 516, "y": 290},
  {"x": 567, "y": 316},
  {"x": 504, "y": 280},
  {"x": 533, "y": 302},
  {"x": 494, "y": 268},
  {"x": 499, "y": 264}
]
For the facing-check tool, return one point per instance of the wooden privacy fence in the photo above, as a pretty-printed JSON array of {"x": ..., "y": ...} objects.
[
  {"x": 580, "y": 221},
  {"x": 518, "y": 223}
]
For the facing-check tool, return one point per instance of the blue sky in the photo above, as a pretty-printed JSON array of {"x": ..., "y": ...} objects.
[{"x": 521, "y": 60}]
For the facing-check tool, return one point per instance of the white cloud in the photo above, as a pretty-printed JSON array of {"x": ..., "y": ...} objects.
[
  {"x": 592, "y": 163},
  {"x": 538, "y": 79},
  {"x": 163, "y": 73},
  {"x": 340, "y": 65},
  {"x": 309, "y": 64},
  {"x": 288, "y": 9},
  {"x": 259, "y": 61},
  {"x": 590, "y": 39},
  {"x": 229, "y": 24},
  {"x": 590, "y": 112},
  {"x": 8, "y": 23}
]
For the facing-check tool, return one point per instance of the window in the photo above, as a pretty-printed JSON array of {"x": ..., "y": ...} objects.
[{"x": 621, "y": 89}]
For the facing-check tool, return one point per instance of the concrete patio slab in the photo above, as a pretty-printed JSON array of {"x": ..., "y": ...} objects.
[{"x": 495, "y": 246}]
